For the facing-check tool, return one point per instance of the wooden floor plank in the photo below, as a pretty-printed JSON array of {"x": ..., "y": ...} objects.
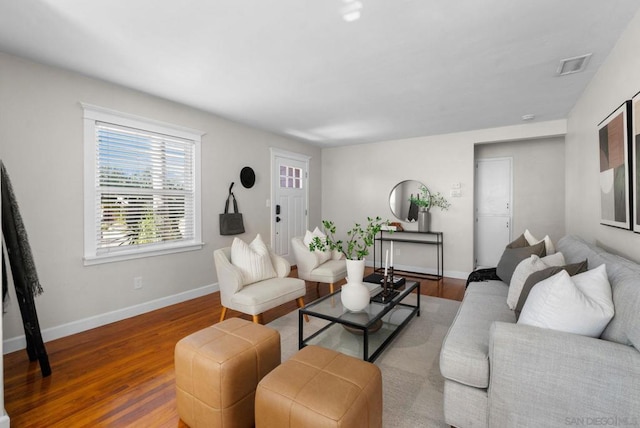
[{"x": 121, "y": 374}]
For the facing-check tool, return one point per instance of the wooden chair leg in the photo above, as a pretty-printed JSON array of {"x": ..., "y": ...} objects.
[
  {"x": 223, "y": 314},
  {"x": 257, "y": 319},
  {"x": 331, "y": 288},
  {"x": 301, "y": 305},
  {"x": 318, "y": 288}
]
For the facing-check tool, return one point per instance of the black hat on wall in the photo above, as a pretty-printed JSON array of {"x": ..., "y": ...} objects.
[{"x": 247, "y": 177}]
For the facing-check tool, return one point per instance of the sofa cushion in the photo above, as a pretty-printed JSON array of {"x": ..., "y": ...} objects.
[
  {"x": 582, "y": 305},
  {"x": 623, "y": 275},
  {"x": 511, "y": 257},
  {"x": 548, "y": 243},
  {"x": 524, "y": 269},
  {"x": 536, "y": 277},
  {"x": 465, "y": 351}
]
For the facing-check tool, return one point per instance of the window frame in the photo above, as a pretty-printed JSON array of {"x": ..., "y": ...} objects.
[{"x": 93, "y": 114}]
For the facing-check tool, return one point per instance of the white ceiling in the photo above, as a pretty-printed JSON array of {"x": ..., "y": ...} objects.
[{"x": 295, "y": 67}]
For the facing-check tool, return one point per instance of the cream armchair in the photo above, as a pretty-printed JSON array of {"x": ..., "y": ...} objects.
[
  {"x": 254, "y": 299},
  {"x": 309, "y": 268}
]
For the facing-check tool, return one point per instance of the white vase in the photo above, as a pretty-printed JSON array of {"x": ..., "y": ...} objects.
[
  {"x": 355, "y": 296},
  {"x": 355, "y": 270}
]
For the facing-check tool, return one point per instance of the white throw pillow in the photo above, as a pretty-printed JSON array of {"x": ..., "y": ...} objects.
[
  {"x": 253, "y": 260},
  {"x": 321, "y": 256},
  {"x": 581, "y": 304},
  {"x": 524, "y": 269},
  {"x": 337, "y": 255},
  {"x": 548, "y": 244}
]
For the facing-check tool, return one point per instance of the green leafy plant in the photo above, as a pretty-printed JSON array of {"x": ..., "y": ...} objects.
[
  {"x": 427, "y": 200},
  {"x": 359, "y": 238}
]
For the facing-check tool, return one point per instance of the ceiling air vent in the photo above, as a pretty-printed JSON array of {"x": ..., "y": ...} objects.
[{"x": 573, "y": 65}]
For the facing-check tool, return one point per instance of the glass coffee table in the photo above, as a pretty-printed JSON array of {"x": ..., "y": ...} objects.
[{"x": 363, "y": 334}]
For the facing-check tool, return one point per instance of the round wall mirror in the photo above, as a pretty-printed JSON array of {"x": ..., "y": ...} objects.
[{"x": 399, "y": 202}]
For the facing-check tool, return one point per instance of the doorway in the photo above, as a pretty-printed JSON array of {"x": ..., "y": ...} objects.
[
  {"x": 493, "y": 206},
  {"x": 289, "y": 199}
]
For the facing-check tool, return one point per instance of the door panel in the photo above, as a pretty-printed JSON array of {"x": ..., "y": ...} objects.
[
  {"x": 492, "y": 235},
  {"x": 289, "y": 183},
  {"x": 493, "y": 209},
  {"x": 493, "y": 187}
]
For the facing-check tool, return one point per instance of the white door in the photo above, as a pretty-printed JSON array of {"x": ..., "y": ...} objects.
[
  {"x": 493, "y": 209},
  {"x": 290, "y": 185}
]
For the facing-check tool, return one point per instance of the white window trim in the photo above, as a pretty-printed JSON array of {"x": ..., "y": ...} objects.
[{"x": 91, "y": 115}]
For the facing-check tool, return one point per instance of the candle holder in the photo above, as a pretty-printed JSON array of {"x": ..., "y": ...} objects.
[{"x": 388, "y": 293}]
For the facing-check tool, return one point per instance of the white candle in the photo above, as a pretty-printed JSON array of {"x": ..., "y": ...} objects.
[
  {"x": 386, "y": 263},
  {"x": 391, "y": 262}
]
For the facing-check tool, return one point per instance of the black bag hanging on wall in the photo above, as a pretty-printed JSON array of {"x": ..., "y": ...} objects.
[{"x": 231, "y": 223}]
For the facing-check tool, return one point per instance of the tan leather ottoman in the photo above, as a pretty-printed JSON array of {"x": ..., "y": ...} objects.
[
  {"x": 319, "y": 387},
  {"x": 218, "y": 369}
]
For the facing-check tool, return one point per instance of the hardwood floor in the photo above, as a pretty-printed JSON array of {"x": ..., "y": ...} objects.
[{"x": 121, "y": 374}]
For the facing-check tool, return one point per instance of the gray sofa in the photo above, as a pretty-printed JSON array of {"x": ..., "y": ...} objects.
[{"x": 502, "y": 374}]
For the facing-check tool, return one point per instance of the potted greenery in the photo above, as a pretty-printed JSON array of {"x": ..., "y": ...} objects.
[
  {"x": 354, "y": 295},
  {"x": 425, "y": 200},
  {"x": 429, "y": 200},
  {"x": 358, "y": 241}
]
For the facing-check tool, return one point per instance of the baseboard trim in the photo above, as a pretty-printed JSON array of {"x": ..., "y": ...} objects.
[
  {"x": 17, "y": 343},
  {"x": 431, "y": 271}
]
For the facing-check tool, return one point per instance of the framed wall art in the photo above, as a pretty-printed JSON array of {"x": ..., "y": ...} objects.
[
  {"x": 615, "y": 192},
  {"x": 635, "y": 161}
]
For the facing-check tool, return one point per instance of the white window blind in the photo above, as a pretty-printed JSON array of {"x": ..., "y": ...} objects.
[
  {"x": 144, "y": 195},
  {"x": 144, "y": 187}
]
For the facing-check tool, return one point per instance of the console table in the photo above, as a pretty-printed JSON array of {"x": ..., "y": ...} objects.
[{"x": 413, "y": 237}]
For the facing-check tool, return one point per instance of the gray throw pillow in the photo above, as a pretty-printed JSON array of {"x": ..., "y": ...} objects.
[
  {"x": 536, "y": 277},
  {"x": 513, "y": 256},
  {"x": 519, "y": 242}
]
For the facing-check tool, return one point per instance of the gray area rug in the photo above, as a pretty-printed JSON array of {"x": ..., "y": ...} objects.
[{"x": 411, "y": 381}]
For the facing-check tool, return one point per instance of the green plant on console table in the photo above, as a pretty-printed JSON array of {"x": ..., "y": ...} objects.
[{"x": 429, "y": 200}]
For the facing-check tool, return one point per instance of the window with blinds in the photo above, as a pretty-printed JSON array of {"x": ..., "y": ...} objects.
[{"x": 144, "y": 195}]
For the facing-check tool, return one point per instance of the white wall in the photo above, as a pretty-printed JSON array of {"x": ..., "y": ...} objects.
[
  {"x": 617, "y": 80},
  {"x": 41, "y": 145},
  {"x": 357, "y": 180},
  {"x": 538, "y": 184}
]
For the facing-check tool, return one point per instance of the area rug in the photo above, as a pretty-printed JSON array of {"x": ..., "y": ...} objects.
[{"x": 411, "y": 381}]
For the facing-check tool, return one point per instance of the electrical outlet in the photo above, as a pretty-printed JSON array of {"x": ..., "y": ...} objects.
[
  {"x": 137, "y": 283},
  {"x": 456, "y": 185},
  {"x": 456, "y": 193}
]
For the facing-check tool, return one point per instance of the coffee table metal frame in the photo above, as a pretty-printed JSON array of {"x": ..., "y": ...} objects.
[{"x": 330, "y": 308}]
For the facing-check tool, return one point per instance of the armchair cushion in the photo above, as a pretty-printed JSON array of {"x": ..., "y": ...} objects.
[
  {"x": 329, "y": 271},
  {"x": 253, "y": 260},
  {"x": 257, "y": 298},
  {"x": 332, "y": 270}
]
